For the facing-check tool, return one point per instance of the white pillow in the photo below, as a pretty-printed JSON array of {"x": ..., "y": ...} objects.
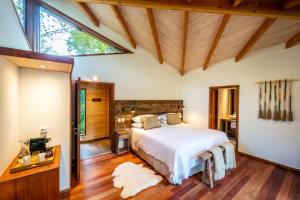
[
  {"x": 137, "y": 125},
  {"x": 138, "y": 119},
  {"x": 162, "y": 117},
  {"x": 164, "y": 123}
]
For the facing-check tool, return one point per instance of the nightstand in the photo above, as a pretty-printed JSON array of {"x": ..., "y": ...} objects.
[{"x": 122, "y": 141}]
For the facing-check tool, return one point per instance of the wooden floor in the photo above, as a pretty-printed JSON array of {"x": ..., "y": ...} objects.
[
  {"x": 252, "y": 179},
  {"x": 95, "y": 147}
]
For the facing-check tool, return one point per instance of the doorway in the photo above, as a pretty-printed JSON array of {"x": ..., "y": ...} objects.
[
  {"x": 224, "y": 111},
  {"x": 92, "y": 121}
]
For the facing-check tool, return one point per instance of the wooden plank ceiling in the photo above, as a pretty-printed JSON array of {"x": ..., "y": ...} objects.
[
  {"x": 40, "y": 64},
  {"x": 206, "y": 39}
]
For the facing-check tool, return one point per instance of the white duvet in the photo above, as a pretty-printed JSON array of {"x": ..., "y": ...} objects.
[{"x": 178, "y": 146}]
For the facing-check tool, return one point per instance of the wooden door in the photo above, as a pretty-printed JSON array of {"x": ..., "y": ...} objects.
[
  {"x": 213, "y": 108},
  {"x": 75, "y": 145},
  {"x": 97, "y": 111}
]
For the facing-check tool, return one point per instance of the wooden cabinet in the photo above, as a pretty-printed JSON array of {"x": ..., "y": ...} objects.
[
  {"x": 33, "y": 184},
  {"x": 122, "y": 141},
  {"x": 227, "y": 127}
]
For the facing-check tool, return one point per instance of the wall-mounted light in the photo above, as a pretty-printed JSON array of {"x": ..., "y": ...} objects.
[
  {"x": 121, "y": 119},
  {"x": 132, "y": 110},
  {"x": 95, "y": 78}
]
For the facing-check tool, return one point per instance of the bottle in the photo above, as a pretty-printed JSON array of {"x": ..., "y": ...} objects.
[{"x": 24, "y": 149}]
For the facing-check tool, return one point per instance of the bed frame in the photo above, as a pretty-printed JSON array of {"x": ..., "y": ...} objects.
[{"x": 130, "y": 108}]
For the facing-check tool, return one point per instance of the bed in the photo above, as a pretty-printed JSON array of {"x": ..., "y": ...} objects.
[{"x": 173, "y": 150}]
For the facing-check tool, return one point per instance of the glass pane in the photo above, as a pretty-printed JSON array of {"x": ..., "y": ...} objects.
[
  {"x": 59, "y": 37},
  {"x": 82, "y": 107},
  {"x": 20, "y": 7}
]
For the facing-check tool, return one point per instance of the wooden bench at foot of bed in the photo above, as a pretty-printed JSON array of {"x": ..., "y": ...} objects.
[{"x": 207, "y": 175}]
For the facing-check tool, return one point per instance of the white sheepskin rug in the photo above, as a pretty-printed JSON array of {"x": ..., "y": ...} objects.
[{"x": 134, "y": 178}]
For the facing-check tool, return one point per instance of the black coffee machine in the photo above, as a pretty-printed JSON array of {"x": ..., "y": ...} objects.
[{"x": 38, "y": 145}]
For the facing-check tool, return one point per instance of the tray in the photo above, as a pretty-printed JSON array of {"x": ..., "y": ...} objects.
[{"x": 19, "y": 166}]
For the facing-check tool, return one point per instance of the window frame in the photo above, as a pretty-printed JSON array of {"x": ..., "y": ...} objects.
[{"x": 32, "y": 27}]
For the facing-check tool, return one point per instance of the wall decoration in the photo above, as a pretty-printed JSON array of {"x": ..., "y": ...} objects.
[
  {"x": 282, "y": 107},
  {"x": 260, "y": 112},
  {"x": 283, "y": 117},
  {"x": 265, "y": 101},
  {"x": 270, "y": 100},
  {"x": 290, "y": 104},
  {"x": 275, "y": 103},
  {"x": 279, "y": 101}
]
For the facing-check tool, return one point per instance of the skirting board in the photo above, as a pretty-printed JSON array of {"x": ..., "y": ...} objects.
[{"x": 270, "y": 162}]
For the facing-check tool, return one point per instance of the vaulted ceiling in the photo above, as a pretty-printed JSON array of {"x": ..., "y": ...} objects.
[{"x": 187, "y": 40}]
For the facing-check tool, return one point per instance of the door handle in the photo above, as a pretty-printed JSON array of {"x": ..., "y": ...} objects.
[{"x": 75, "y": 131}]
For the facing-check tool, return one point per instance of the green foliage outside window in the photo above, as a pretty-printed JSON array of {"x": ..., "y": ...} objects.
[
  {"x": 82, "y": 43},
  {"x": 59, "y": 37},
  {"x": 82, "y": 107}
]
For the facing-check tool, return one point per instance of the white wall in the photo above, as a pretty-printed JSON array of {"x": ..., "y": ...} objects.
[
  {"x": 275, "y": 141},
  {"x": 10, "y": 28},
  {"x": 45, "y": 102},
  {"x": 136, "y": 76},
  {"x": 9, "y": 129}
]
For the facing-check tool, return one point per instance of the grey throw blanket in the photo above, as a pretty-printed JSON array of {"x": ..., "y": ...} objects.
[
  {"x": 219, "y": 165},
  {"x": 229, "y": 155}
]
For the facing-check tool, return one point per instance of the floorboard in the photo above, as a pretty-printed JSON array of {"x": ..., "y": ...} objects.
[
  {"x": 252, "y": 179},
  {"x": 95, "y": 147}
]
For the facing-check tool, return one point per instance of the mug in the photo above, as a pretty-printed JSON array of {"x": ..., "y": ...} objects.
[
  {"x": 26, "y": 160},
  {"x": 41, "y": 156}
]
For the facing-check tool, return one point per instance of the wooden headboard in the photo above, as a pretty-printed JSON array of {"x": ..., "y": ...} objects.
[{"x": 129, "y": 108}]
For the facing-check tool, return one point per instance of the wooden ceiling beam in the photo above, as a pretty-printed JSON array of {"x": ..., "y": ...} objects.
[
  {"x": 216, "y": 40},
  {"x": 154, "y": 33},
  {"x": 122, "y": 22},
  {"x": 236, "y": 3},
  {"x": 184, "y": 41},
  {"x": 255, "y": 37},
  {"x": 291, "y": 3},
  {"x": 293, "y": 41},
  {"x": 251, "y": 8},
  {"x": 89, "y": 13}
]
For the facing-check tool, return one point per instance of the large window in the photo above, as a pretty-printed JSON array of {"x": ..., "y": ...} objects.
[
  {"x": 52, "y": 32},
  {"x": 60, "y": 37}
]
